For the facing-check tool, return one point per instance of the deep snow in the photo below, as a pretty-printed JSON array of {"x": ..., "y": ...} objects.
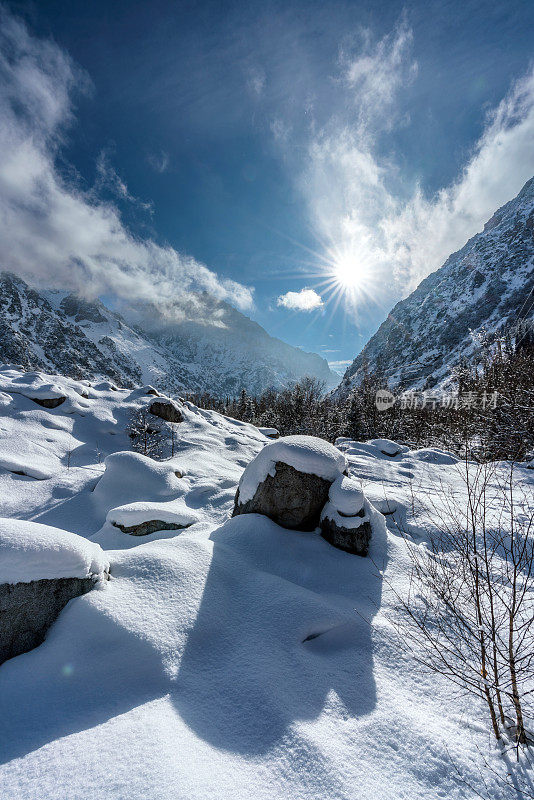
[
  {"x": 30, "y": 551},
  {"x": 233, "y": 659}
]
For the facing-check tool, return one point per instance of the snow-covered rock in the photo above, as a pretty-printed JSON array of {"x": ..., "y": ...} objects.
[
  {"x": 30, "y": 551},
  {"x": 388, "y": 447},
  {"x": 270, "y": 433},
  {"x": 41, "y": 569},
  {"x": 144, "y": 518},
  {"x": 306, "y": 454},
  {"x": 289, "y": 480},
  {"x": 345, "y": 521},
  {"x": 166, "y": 409}
]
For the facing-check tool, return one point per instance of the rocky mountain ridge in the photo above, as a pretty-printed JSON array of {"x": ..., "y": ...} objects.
[
  {"x": 481, "y": 289},
  {"x": 58, "y": 331}
]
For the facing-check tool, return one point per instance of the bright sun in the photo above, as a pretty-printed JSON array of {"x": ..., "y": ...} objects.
[{"x": 347, "y": 273}]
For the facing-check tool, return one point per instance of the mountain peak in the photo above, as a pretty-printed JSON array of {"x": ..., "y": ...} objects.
[{"x": 55, "y": 330}]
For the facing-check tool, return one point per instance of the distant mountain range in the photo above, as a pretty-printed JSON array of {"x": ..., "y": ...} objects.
[
  {"x": 485, "y": 286},
  {"x": 58, "y": 331}
]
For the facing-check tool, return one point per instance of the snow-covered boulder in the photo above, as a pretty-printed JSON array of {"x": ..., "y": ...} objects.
[
  {"x": 41, "y": 569},
  {"x": 345, "y": 522},
  {"x": 143, "y": 518},
  {"x": 289, "y": 481},
  {"x": 388, "y": 447},
  {"x": 166, "y": 409},
  {"x": 270, "y": 433}
]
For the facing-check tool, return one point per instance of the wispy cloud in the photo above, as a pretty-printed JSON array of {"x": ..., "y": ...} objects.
[
  {"x": 357, "y": 202},
  {"x": 256, "y": 80},
  {"x": 377, "y": 71},
  {"x": 305, "y": 300},
  {"x": 159, "y": 161},
  {"x": 54, "y": 231}
]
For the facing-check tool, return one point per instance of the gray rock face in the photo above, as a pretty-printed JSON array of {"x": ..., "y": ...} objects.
[
  {"x": 27, "y": 610},
  {"x": 352, "y": 540},
  {"x": 49, "y": 402},
  {"x": 291, "y": 498},
  {"x": 166, "y": 410},
  {"x": 150, "y": 526}
]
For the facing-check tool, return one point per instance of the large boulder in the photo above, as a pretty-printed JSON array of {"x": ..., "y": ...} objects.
[
  {"x": 41, "y": 569},
  {"x": 345, "y": 521},
  {"x": 289, "y": 481},
  {"x": 166, "y": 409},
  {"x": 27, "y": 610}
]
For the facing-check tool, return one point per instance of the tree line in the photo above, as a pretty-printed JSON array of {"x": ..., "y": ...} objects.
[{"x": 488, "y": 408}]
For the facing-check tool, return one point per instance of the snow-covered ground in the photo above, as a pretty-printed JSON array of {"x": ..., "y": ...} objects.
[{"x": 229, "y": 659}]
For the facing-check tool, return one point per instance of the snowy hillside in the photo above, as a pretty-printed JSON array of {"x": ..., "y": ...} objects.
[
  {"x": 230, "y": 658},
  {"x": 487, "y": 284},
  {"x": 57, "y": 331}
]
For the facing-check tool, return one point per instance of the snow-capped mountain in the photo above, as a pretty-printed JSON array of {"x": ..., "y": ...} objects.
[
  {"x": 57, "y": 331},
  {"x": 486, "y": 285}
]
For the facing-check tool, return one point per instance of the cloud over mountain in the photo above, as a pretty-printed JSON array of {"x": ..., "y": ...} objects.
[{"x": 55, "y": 231}]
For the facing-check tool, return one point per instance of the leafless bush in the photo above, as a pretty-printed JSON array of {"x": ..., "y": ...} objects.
[{"x": 469, "y": 612}]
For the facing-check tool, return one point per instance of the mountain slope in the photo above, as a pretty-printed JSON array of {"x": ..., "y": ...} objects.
[
  {"x": 486, "y": 285},
  {"x": 57, "y": 331}
]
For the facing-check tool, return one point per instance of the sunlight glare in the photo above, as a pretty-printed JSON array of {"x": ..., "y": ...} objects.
[{"x": 348, "y": 273}]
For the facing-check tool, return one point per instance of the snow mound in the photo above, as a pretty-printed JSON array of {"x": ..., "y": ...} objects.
[
  {"x": 38, "y": 387},
  {"x": 346, "y": 496},
  {"x": 388, "y": 447},
  {"x": 130, "y": 476},
  {"x": 304, "y": 453},
  {"x": 433, "y": 455},
  {"x": 30, "y": 551},
  {"x": 131, "y": 514}
]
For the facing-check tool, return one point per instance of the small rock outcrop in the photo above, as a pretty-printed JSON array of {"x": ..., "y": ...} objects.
[
  {"x": 270, "y": 433},
  {"x": 166, "y": 409},
  {"x": 27, "y": 610},
  {"x": 289, "y": 481},
  {"x": 49, "y": 402},
  {"x": 150, "y": 526},
  {"x": 349, "y": 534},
  {"x": 388, "y": 448},
  {"x": 345, "y": 523}
]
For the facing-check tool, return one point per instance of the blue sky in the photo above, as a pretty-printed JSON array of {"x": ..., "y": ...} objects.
[{"x": 308, "y": 162}]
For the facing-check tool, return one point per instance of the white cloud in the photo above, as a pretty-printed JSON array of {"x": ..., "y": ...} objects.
[
  {"x": 356, "y": 202},
  {"x": 53, "y": 231},
  {"x": 305, "y": 300},
  {"x": 378, "y": 71}
]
